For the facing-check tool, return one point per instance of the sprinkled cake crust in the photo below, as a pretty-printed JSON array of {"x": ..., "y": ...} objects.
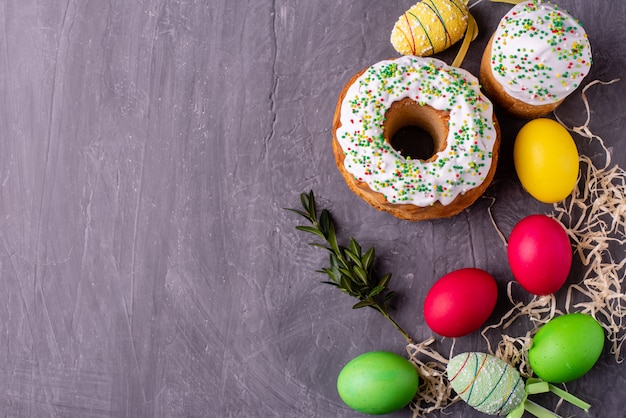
[{"x": 461, "y": 166}]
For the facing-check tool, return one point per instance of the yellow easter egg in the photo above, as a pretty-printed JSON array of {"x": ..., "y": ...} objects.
[
  {"x": 546, "y": 160},
  {"x": 429, "y": 27}
]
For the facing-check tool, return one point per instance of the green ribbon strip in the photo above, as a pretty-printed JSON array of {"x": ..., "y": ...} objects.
[{"x": 535, "y": 386}]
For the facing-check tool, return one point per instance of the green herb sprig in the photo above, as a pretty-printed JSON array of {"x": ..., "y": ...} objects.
[{"x": 350, "y": 269}]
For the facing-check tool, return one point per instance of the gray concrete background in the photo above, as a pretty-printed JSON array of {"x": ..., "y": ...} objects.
[{"x": 147, "y": 268}]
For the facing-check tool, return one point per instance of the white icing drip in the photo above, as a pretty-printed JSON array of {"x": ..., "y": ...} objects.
[
  {"x": 540, "y": 53},
  {"x": 461, "y": 166}
]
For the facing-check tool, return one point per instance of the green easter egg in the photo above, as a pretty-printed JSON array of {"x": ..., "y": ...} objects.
[
  {"x": 377, "y": 383},
  {"x": 486, "y": 383},
  {"x": 566, "y": 348}
]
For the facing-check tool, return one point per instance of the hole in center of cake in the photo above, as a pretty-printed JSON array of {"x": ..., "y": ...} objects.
[
  {"x": 416, "y": 131},
  {"x": 413, "y": 142}
]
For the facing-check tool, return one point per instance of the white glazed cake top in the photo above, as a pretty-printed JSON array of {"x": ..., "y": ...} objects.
[
  {"x": 461, "y": 166},
  {"x": 540, "y": 53}
]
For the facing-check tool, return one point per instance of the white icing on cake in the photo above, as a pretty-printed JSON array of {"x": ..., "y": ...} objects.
[{"x": 540, "y": 53}]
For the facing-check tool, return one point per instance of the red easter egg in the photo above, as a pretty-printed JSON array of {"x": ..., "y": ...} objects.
[
  {"x": 460, "y": 302},
  {"x": 540, "y": 254}
]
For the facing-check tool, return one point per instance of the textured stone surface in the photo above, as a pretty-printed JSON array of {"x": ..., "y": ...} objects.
[{"x": 147, "y": 150}]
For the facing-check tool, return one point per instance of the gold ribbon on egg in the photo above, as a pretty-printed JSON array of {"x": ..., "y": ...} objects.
[{"x": 471, "y": 33}]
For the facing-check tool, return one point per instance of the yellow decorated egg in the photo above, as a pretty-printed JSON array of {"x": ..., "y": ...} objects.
[
  {"x": 429, "y": 27},
  {"x": 546, "y": 160}
]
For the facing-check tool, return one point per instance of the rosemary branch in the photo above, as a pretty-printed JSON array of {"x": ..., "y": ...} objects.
[{"x": 350, "y": 269}]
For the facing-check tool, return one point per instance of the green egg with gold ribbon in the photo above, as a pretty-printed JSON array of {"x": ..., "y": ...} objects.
[
  {"x": 486, "y": 383},
  {"x": 494, "y": 387}
]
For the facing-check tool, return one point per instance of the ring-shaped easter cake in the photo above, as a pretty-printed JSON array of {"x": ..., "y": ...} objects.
[{"x": 444, "y": 101}]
